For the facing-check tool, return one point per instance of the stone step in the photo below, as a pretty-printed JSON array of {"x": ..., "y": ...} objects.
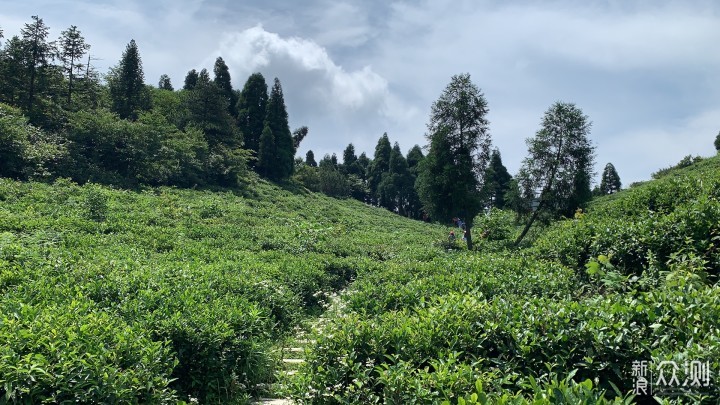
[
  {"x": 273, "y": 401},
  {"x": 293, "y": 361}
]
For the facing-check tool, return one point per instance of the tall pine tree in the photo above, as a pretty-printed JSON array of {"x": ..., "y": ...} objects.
[
  {"x": 610, "y": 181},
  {"x": 207, "y": 110},
  {"x": 277, "y": 120},
  {"x": 267, "y": 155},
  {"x": 72, "y": 48},
  {"x": 38, "y": 52},
  {"x": 252, "y": 110},
  {"x": 497, "y": 180},
  {"x": 223, "y": 81},
  {"x": 164, "y": 83},
  {"x": 449, "y": 184},
  {"x": 379, "y": 166},
  {"x": 559, "y": 163},
  {"x": 126, "y": 81},
  {"x": 191, "y": 80}
]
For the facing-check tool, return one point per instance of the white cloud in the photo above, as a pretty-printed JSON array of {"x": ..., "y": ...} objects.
[{"x": 255, "y": 49}]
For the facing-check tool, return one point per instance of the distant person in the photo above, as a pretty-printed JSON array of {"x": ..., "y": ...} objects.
[
  {"x": 451, "y": 237},
  {"x": 460, "y": 224}
]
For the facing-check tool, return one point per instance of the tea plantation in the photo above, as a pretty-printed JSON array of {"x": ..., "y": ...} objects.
[{"x": 167, "y": 296}]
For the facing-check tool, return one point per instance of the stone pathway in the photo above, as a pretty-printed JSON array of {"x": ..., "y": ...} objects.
[{"x": 293, "y": 356}]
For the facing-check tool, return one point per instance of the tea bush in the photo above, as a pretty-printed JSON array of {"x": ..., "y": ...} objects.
[
  {"x": 633, "y": 279},
  {"x": 202, "y": 284}
]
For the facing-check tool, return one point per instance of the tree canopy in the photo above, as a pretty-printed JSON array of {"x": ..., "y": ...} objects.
[
  {"x": 610, "y": 181},
  {"x": 559, "y": 162},
  {"x": 450, "y": 177}
]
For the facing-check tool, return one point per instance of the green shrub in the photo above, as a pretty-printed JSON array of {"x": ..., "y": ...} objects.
[{"x": 75, "y": 352}]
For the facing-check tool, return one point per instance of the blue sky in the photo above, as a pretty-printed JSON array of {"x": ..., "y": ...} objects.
[{"x": 647, "y": 73}]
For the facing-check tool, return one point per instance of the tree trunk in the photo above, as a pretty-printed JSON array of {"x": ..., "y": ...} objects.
[
  {"x": 545, "y": 190},
  {"x": 468, "y": 237},
  {"x": 530, "y": 222}
]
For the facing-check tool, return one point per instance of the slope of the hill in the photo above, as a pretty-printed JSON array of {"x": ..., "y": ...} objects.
[
  {"x": 630, "y": 283},
  {"x": 163, "y": 295}
]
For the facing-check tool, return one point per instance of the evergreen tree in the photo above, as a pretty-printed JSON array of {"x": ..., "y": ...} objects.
[
  {"x": 13, "y": 73},
  {"x": 164, "y": 83},
  {"x": 717, "y": 142},
  {"x": 559, "y": 163},
  {"x": 380, "y": 165},
  {"x": 223, "y": 81},
  {"x": 349, "y": 156},
  {"x": 449, "y": 182},
  {"x": 207, "y": 110},
  {"x": 72, "y": 48},
  {"x": 349, "y": 165},
  {"x": 610, "y": 181},
  {"x": 277, "y": 120},
  {"x": 414, "y": 158},
  {"x": 363, "y": 164},
  {"x": 267, "y": 155},
  {"x": 310, "y": 159},
  {"x": 497, "y": 180},
  {"x": 37, "y": 52},
  {"x": 298, "y": 135},
  {"x": 396, "y": 185},
  {"x": 126, "y": 82},
  {"x": 191, "y": 80},
  {"x": 252, "y": 110}
]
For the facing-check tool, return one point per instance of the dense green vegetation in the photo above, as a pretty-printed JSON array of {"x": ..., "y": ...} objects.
[
  {"x": 634, "y": 278},
  {"x": 166, "y": 294},
  {"x": 147, "y": 293}
]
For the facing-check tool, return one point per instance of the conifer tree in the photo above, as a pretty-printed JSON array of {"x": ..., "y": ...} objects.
[
  {"x": 207, "y": 109},
  {"x": 559, "y": 162},
  {"x": 414, "y": 158},
  {"x": 13, "y": 73},
  {"x": 126, "y": 82},
  {"x": 497, "y": 180},
  {"x": 310, "y": 159},
  {"x": 380, "y": 165},
  {"x": 450, "y": 182},
  {"x": 223, "y": 81},
  {"x": 38, "y": 52},
  {"x": 252, "y": 110},
  {"x": 72, "y": 48},
  {"x": 396, "y": 186},
  {"x": 191, "y": 80},
  {"x": 610, "y": 181},
  {"x": 298, "y": 135},
  {"x": 164, "y": 83},
  {"x": 277, "y": 120},
  {"x": 267, "y": 155}
]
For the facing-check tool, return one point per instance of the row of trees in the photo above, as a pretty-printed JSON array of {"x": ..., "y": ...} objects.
[
  {"x": 125, "y": 132},
  {"x": 462, "y": 174}
]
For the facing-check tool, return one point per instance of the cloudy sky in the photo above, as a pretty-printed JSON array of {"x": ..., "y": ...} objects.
[{"x": 646, "y": 72}]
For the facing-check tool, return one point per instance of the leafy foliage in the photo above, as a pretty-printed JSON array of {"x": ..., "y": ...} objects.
[
  {"x": 126, "y": 83},
  {"x": 450, "y": 178},
  {"x": 610, "y": 181},
  {"x": 561, "y": 321}
]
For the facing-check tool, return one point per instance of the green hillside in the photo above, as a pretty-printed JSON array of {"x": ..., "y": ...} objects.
[
  {"x": 169, "y": 295},
  {"x": 632, "y": 280}
]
